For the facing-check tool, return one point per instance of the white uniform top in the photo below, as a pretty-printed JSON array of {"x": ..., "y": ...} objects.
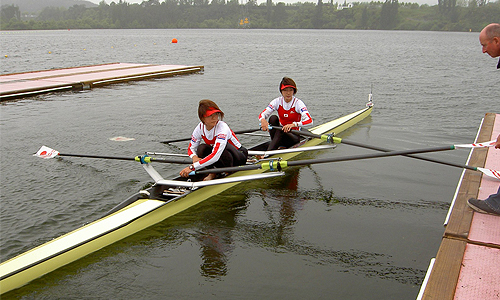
[
  {"x": 217, "y": 137},
  {"x": 283, "y": 108}
]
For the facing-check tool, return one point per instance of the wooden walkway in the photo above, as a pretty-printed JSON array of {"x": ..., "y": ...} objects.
[
  {"x": 32, "y": 83},
  {"x": 467, "y": 265}
]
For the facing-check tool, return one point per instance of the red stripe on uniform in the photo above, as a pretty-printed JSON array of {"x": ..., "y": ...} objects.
[
  {"x": 216, "y": 148},
  {"x": 308, "y": 121}
]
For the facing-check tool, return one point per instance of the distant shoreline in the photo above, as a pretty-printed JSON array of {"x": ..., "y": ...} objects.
[{"x": 214, "y": 14}]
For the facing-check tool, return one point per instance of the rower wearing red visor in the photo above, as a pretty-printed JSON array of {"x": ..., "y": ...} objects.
[
  {"x": 220, "y": 149},
  {"x": 292, "y": 114}
]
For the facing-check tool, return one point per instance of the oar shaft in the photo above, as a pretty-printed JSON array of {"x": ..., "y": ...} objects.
[
  {"x": 171, "y": 161},
  {"x": 97, "y": 156},
  {"x": 352, "y": 143},
  {"x": 147, "y": 159},
  {"x": 187, "y": 139},
  {"x": 409, "y": 155},
  {"x": 227, "y": 169},
  {"x": 175, "y": 140},
  {"x": 273, "y": 164},
  {"x": 367, "y": 156},
  {"x": 298, "y": 132}
]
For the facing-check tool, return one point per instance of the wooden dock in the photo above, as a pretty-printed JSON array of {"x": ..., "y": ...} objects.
[
  {"x": 467, "y": 265},
  {"x": 27, "y": 84}
]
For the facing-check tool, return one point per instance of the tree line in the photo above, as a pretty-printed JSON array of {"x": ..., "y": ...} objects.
[{"x": 389, "y": 15}]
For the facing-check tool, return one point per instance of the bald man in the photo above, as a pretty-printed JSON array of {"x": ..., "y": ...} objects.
[{"x": 490, "y": 40}]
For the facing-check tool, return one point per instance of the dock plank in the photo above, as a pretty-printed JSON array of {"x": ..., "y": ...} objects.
[
  {"x": 444, "y": 276},
  {"x": 461, "y": 215},
  {"x": 67, "y": 71},
  {"x": 31, "y": 83}
]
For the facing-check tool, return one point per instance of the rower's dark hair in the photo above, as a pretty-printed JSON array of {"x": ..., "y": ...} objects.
[
  {"x": 288, "y": 81},
  {"x": 205, "y": 105}
]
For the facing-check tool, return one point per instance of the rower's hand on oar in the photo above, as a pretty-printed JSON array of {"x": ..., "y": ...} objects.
[
  {"x": 288, "y": 127},
  {"x": 264, "y": 125},
  {"x": 185, "y": 172}
]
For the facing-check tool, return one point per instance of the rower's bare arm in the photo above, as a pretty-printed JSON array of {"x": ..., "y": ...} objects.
[{"x": 264, "y": 125}]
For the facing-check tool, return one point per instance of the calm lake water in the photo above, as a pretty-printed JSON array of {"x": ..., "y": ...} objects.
[{"x": 352, "y": 230}]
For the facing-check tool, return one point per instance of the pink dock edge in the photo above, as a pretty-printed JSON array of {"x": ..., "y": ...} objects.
[{"x": 480, "y": 272}]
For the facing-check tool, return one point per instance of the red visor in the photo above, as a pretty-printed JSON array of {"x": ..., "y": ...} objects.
[
  {"x": 211, "y": 111},
  {"x": 286, "y": 86}
]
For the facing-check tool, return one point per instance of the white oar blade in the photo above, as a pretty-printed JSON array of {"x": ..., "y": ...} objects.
[
  {"x": 477, "y": 145},
  {"x": 46, "y": 152},
  {"x": 490, "y": 172}
]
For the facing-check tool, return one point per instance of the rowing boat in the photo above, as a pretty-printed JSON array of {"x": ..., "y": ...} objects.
[{"x": 143, "y": 209}]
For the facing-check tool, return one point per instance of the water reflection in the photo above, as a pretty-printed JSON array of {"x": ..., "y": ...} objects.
[
  {"x": 214, "y": 231},
  {"x": 287, "y": 206},
  {"x": 216, "y": 241},
  {"x": 273, "y": 224}
]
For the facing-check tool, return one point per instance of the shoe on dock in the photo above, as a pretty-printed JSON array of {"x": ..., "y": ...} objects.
[{"x": 481, "y": 206}]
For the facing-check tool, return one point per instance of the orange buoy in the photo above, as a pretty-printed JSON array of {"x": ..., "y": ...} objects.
[{"x": 174, "y": 41}]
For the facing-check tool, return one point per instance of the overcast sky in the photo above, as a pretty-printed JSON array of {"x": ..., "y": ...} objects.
[{"x": 429, "y": 2}]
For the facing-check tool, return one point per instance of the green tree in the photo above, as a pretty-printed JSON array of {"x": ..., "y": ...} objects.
[
  {"x": 280, "y": 15},
  {"x": 9, "y": 12},
  {"x": 389, "y": 14},
  {"x": 363, "y": 21},
  {"x": 447, "y": 15},
  {"x": 318, "y": 16},
  {"x": 51, "y": 13}
]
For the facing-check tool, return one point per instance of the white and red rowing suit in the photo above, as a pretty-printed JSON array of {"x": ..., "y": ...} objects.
[
  {"x": 217, "y": 137},
  {"x": 288, "y": 112}
]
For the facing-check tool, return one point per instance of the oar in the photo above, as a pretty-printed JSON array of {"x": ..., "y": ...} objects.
[
  {"x": 187, "y": 139},
  {"x": 278, "y": 165},
  {"x": 333, "y": 139},
  {"x": 46, "y": 152},
  {"x": 265, "y": 153}
]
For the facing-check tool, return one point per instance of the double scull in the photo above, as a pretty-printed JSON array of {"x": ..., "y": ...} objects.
[{"x": 143, "y": 209}]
